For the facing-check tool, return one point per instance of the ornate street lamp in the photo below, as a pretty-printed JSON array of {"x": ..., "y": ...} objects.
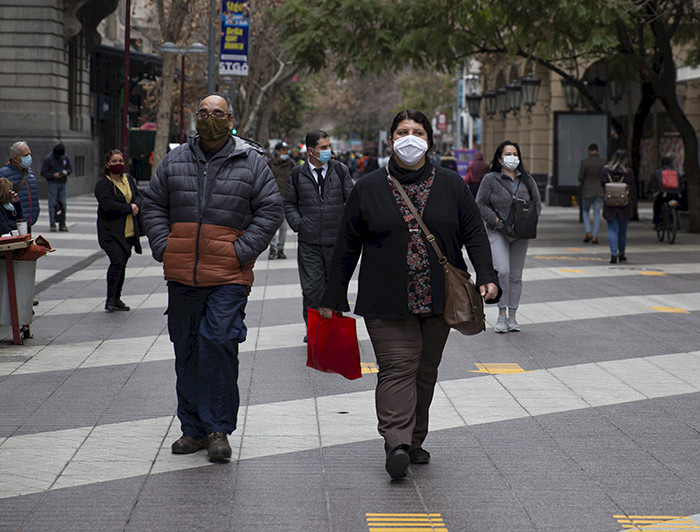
[
  {"x": 502, "y": 100},
  {"x": 490, "y": 103},
  {"x": 616, "y": 89},
  {"x": 531, "y": 89},
  {"x": 514, "y": 95},
  {"x": 570, "y": 93},
  {"x": 473, "y": 104}
]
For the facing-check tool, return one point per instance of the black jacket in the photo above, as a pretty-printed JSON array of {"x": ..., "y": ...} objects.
[
  {"x": 374, "y": 227},
  {"x": 112, "y": 211},
  {"x": 51, "y": 165},
  {"x": 317, "y": 221}
]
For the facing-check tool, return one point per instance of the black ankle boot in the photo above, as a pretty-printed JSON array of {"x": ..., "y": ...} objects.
[
  {"x": 623, "y": 258},
  {"x": 110, "y": 305},
  {"x": 613, "y": 259}
]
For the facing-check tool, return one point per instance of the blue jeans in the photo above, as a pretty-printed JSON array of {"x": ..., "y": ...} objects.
[
  {"x": 206, "y": 325},
  {"x": 617, "y": 235},
  {"x": 597, "y": 204},
  {"x": 57, "y": 191}
]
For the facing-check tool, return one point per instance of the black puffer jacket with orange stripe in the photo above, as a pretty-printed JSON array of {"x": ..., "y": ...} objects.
[{"x": 208, "y": 221}]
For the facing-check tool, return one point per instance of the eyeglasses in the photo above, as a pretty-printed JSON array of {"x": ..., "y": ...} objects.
[{"x": 203, "y": 114}]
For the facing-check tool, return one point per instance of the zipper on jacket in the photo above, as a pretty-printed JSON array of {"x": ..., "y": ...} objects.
[{"x": 199, "y": 224}]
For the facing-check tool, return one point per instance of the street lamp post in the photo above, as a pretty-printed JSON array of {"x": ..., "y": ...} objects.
[
  {"x": 172, "y": 48},
  {"x": 125, "y": 88}
]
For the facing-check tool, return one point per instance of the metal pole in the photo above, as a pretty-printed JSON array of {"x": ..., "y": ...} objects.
[
  {"x": 212, "y": 46},
  {"x": 125, "y": 89},
  {"x": 182, "y": 98}
]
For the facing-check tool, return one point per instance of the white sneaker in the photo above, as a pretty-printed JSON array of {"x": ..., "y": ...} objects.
[
  {"x": 501, "y": 324},
  {"x": 512, "y": 324}
]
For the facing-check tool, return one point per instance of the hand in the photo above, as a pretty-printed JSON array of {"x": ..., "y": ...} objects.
[
  {"x": 56, "y": 174},
  {"x": 325, "y": 312},
  {"x": 134, "y": 209},
  {"x": 13, "y": 196},
  {"x": 488, "y": 291},
  {"x": 64, "y": 172}
]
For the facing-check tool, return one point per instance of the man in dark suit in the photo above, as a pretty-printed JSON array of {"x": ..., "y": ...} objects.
[{"x": 591, "y": 192}]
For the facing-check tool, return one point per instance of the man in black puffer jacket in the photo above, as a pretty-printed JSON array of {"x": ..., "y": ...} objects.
[
  {"x": 209, "y": 211},
  {"x": 313, "y": 205}
]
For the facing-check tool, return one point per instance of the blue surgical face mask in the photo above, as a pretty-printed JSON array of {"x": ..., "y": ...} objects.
[
  {"x": 26, "y": 161},
  {"x": 284, "y": 156},
  {"x": 324, "y": 155}
]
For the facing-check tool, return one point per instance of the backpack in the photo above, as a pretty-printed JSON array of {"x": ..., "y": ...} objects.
[{"x": 669, "y": 179}]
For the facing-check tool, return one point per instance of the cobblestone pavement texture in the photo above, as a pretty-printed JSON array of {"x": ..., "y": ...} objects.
[{"x": 585, "y": 420}]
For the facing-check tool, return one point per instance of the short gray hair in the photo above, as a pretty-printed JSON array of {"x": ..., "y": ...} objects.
[
  {"x": 16, "y": 147},
  {"x": 220, "y": 95}
]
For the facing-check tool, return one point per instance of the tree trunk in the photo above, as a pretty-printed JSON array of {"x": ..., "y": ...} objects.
[
  {"x": 164, "y": 109},
  {"x": 645, "y": 105}
]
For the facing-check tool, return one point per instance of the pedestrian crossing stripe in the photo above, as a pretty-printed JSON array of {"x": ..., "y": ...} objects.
[
  {"x": 657, "y": 523},
  {"x": 368, "y": 367},
  {"x": 498, "y": 369},
  {"x": 671, "y": 310},
  {"x": 561, "y": 257},
  {"x": 405, "y": 522},
  {"x": 571, "y": 270}
]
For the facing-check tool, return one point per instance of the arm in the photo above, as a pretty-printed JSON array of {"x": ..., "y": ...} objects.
[
  {"x": 489, "y": 215},
  {"x": 347, "y": 183},
  {"x": 291, "y": 201},
  {"x": 348, "y": 247},
  {"x": 156, "y": 211},
  {"x": 473, "y": 237},
  {"x": 68, "y": 168},
  {"x": 46, "y": 169},
  {"x": 266, "y": 206}
]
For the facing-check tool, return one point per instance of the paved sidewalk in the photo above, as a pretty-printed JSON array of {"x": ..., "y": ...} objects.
[{"x": 586, "y": 420}]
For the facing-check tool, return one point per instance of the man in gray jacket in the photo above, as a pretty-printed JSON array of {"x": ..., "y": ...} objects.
[
  {"x": 591, "y": 192},
  {"x": 313, "y": 205},
  {"x": 209, "y": 211}
]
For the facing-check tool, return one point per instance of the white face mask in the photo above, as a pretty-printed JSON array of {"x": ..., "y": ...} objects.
[
  {"x": 511, "y": 162},
  {"x": 410, "y": 149}
]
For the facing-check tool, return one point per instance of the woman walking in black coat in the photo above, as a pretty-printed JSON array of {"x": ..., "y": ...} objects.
[
  {"x": 401, "y": 292},
  {"x": 118, "y": 224}
]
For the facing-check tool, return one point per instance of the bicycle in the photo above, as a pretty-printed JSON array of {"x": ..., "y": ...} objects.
[{"x": 669, "y": 221}]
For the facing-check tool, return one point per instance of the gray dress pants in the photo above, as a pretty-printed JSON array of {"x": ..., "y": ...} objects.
[
  {"x": 408, "y": 354},
  {"x": 314, "y": 263}
]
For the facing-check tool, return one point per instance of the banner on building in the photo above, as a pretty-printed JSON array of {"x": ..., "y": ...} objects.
[{"x": 235, "y": 23}]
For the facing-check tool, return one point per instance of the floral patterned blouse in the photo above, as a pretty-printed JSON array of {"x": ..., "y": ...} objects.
[{"x": 420, "y": 299}]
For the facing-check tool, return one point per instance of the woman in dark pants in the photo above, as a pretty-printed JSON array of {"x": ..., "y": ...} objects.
[
  {"x": 118, "y": 224},
  {"x": 401, "y": 284}
]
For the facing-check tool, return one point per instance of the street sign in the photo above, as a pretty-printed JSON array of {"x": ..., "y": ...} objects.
[
  {"x": 442, "y": 122},
  {"x": 235, "y": 23}
]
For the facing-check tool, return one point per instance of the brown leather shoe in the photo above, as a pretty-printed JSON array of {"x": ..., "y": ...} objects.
[
  {"x": 217, "y": 446},
  {"x": 188, "y": 445}
]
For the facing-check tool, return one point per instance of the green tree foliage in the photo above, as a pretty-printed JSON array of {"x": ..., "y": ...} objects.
[{"x": 637, "y": 38}]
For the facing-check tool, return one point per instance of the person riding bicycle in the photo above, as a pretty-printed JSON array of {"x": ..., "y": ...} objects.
[{"x": 668, "y": 183}]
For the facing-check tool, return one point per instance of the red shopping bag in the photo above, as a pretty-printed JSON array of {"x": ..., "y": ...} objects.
[{"x": 332, "y": 345}]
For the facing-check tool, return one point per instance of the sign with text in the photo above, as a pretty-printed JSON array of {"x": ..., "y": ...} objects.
[{"x": 235, "y": 23}]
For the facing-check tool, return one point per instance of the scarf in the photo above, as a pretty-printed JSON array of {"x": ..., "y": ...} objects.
[{"x": 407, "y": 177}]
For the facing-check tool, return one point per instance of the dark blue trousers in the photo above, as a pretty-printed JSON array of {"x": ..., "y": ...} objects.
[{"x": 206, "y": 325}]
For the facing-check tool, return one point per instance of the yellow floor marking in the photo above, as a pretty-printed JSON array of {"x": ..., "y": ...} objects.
[
  {"x": 405, "y": 522},
  {"x": 368, "y": 367},
  {"x": 560, "y": 257},
  {"x": 498, "y": 369},
  {"x": 571, "y": 270},
  {"x": 672, "y": 310},
  {"x": 659, "y": 274},
  {"x": 575, "y": 249},
  {"x": 656, "y": 523}
]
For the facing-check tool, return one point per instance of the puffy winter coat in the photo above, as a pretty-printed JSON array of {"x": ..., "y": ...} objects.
[
  {"x": 317, "y": 220},
  {"x": 28, "y": 194},
  {"x": 208, "y": 221}
]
